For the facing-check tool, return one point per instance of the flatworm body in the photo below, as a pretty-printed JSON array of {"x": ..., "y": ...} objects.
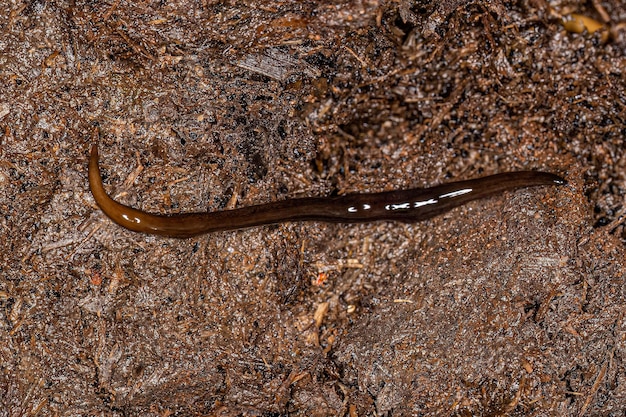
[{"x": 410, "y": 205}]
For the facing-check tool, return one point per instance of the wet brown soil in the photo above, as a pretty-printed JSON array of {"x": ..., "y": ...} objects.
[{"x": 513, "y": 305}]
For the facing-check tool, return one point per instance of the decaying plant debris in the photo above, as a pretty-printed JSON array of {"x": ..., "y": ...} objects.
[{"x": 509, "y": 306}]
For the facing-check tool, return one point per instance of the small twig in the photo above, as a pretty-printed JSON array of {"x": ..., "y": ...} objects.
[
  {"x": 133, "y": 176},
  {"x": 358, "y": 58},
  {"x": 82, "y": 243},
  {"x": 596, "y": 384}
]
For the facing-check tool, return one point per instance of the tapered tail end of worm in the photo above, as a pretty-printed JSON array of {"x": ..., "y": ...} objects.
[
  {"x": 530, "y": 178},
  {"x": 551, "y": 179},
  {"x": 557, "y": 180}
]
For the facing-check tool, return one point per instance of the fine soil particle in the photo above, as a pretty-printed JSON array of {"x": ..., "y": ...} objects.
[{"x": 512, "y": 305}]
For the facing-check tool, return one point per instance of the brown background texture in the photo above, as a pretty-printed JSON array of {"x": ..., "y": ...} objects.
[{"x": 512, "y": 305}]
